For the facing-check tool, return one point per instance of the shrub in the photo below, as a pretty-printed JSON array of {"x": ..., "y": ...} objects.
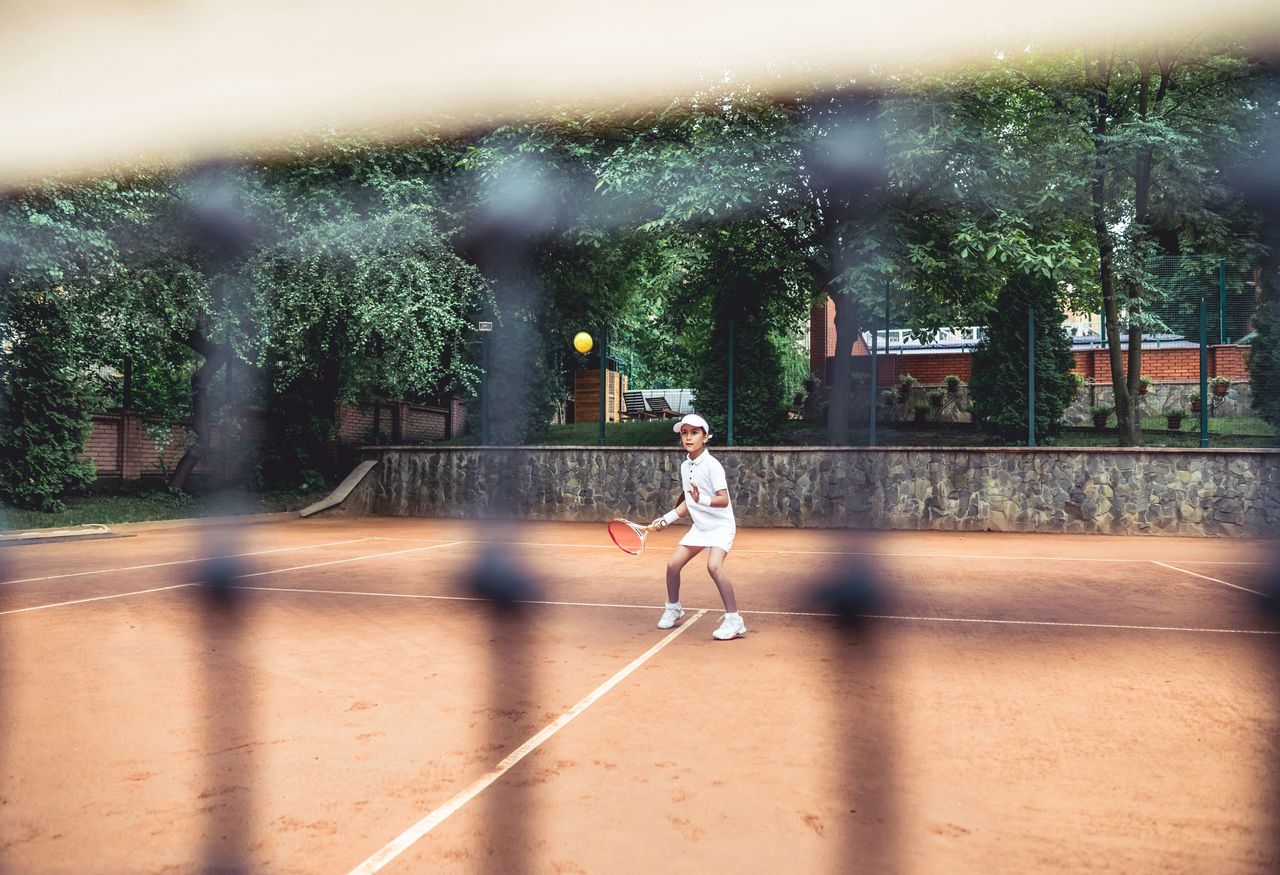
[
  {"x": 44, "y": 406},
  {"x": 1263, "y": 358},
  {"x": 999, "y": 382}
]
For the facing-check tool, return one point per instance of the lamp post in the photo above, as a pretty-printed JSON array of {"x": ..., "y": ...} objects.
[{"x": 485, "y": 328}]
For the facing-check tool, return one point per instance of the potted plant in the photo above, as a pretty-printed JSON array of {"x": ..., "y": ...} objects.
[
  {"x": 1173, "y": 417},
  {"x": 888, "y": 397},
  {"x": 953, "y": 383},
  {"x": 1101, "y": 415},
  {"x": 1220, "y": 385},
  {"x": 1144, "y": 385},
  {"x": 922, "y": 411},
  {"x": 1193, "y": 400},
  {"x": 905, "y": 384},
  {"x": 937, "y": 398}
]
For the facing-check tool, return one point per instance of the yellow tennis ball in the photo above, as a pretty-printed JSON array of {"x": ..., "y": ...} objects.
[{"x": 582, "y": 342}]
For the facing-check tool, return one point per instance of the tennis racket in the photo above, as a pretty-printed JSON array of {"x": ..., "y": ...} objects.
[{"x": 628, "y": 536}]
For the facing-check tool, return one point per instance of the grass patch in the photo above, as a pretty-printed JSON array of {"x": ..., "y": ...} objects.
[{"x": 138, "y": 507}]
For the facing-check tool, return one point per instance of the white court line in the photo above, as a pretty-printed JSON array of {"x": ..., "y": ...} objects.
[
  {"x": 818, "y": 614},
  {"x": 1058, "y": 624},
  {"x": 182, "y": 562},
  {"x": 99, "y": 598},
  {"x": 1206, "y": 577},
  {"x": 896, "y": 555},
  {"x": 444, "y": 598},
  {"x": 341, "y": 561},
  {"x": 236, "y": 577},
  {"x": 401, "y": 843}
]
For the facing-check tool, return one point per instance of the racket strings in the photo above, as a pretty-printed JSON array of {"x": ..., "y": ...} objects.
[{"x": 626, "y": 535}]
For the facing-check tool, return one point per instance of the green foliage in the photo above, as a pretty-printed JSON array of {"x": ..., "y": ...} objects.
[
  {"x": 359, "y": 289},
  {"x": 363, "y": 279},
  {"x": 1263, "y": 358},
  {"x": 45, "y": 414},
  {"x": 999, "y": 383},
  {"x": 759, "y": 395},
  {"x": 713, "y": 189}
]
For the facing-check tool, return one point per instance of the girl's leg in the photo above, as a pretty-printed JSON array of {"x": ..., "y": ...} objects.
[
  {"x": 679, "y": 559},
  {"x": 715, "y": 567}
]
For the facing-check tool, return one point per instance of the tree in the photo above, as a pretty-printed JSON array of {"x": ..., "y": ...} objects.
[
  {"x": 1257, "y": 181},
  {"x": 329, "y": 270},
  {"x": 359, "y": 294},
  {"x": 49, "y": 243},
  {"x": 999, "y": 383},
  {"x": 1161, "y": 126},
  {"x": 714, "y": 185},
  {"x": 45, "y": 411}
]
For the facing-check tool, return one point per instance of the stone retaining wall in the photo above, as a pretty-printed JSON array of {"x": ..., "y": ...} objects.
[{"x": 1116, "y": 491}]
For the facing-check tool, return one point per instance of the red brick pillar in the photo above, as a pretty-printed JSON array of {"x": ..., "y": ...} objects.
[{"x": 133, "y": 448}]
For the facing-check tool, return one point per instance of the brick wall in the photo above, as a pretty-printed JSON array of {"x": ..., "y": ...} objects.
[
  {"x": 1228, "y": 361},
  {"x": 105, "y": 445},
  {"x": 931, "y": 367},
  {"x": 822, "y": 339},
  {"x": 1168, "y": 365},
  {"x": 123, "y": 445},
  {"x": 400, "y": 423}
]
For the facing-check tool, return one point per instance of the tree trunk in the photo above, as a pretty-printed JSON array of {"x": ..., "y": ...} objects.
[
  {"x": 841, "y": 396},
  {"x": 1097, "y": 84},
  {"x": 214, "y": 357},
  {"x": 1110, "y": 306}
]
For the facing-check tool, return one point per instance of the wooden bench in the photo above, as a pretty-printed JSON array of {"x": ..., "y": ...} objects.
[
  {"x": 662, "y": 409},
  {"x": 634, "y": 406}
]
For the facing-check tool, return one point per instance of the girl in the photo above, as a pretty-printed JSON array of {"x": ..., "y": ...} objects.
[{"x": 705, "y": 500}]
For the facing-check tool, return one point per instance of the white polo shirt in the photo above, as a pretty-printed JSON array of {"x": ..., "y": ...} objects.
[{"x": 712, "y": 526}]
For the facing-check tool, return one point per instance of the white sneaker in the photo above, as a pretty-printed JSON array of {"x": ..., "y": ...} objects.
[
  {"x": 730, "y": 627},
  {"x": 671, "y": 615}
]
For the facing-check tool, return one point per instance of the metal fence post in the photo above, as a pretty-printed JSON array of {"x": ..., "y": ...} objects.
[
  {"x": 1204, "y": 374},
  {"x": 1031, "y": 376},
  {"x": 604, "y": 375},
  {"x": 729, "y": 441}
]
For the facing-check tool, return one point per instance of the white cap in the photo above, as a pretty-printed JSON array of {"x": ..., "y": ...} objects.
[{"x": 694, "y": 420}]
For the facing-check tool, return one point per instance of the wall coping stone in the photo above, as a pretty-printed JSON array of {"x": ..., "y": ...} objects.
[{"x": 1196, "y": 491}]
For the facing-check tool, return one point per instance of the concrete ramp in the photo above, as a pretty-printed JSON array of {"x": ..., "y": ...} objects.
[{"x": 339, "y": 495}]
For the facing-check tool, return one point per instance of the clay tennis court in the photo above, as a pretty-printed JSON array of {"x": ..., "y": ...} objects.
[{"x": 1013, "y": 703}]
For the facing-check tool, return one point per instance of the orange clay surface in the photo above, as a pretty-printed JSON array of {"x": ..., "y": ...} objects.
[{"x": 1015, "y": 704}]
